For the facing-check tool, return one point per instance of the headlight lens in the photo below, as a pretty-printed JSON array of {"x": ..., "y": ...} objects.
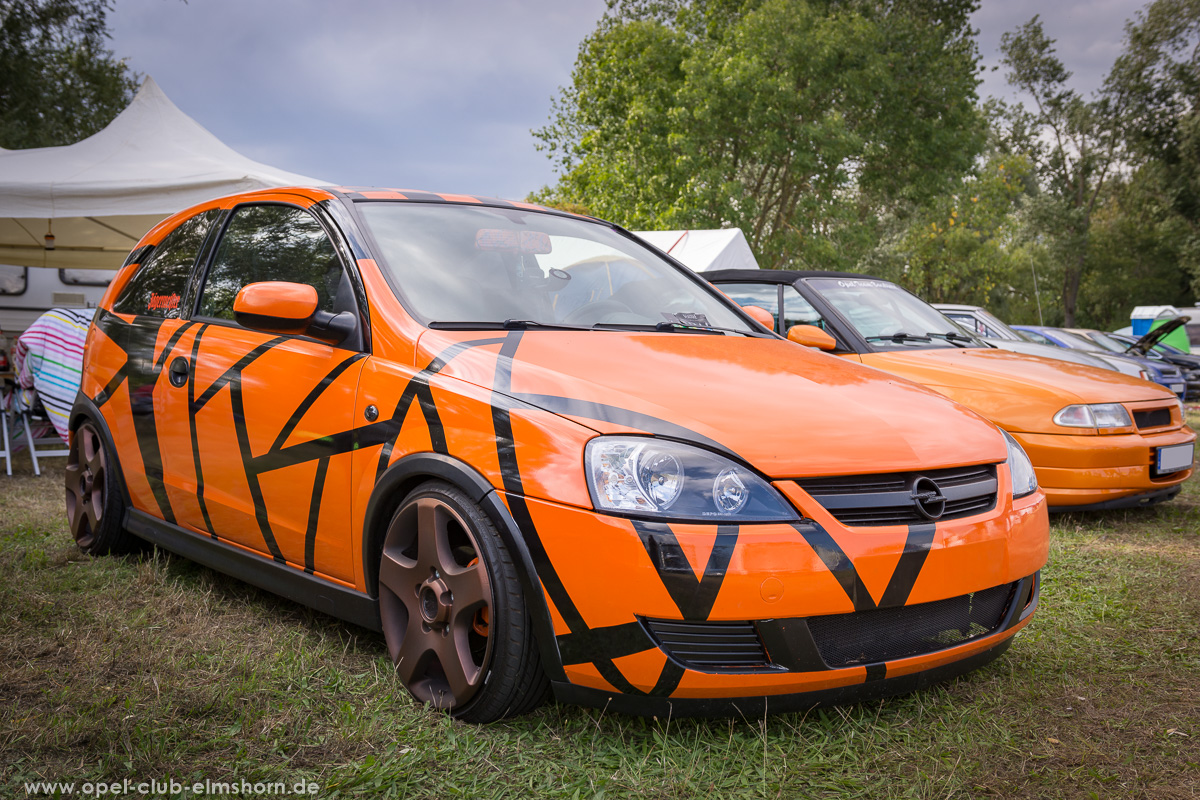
[
  {"x": 644, "y": 476},
  {"x": 1097, "y": 415},
  {"x": 1024, "y": 479}
]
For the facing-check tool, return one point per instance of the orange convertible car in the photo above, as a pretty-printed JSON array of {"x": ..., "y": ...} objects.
[
  {"x": 1098, "y": 439},
  {"x": 537, "y": 455}
]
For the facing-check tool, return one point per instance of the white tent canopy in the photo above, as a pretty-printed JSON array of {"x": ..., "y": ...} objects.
[
  {"x": 99, "y": 196},
  {"x": 704, "y": 250}
]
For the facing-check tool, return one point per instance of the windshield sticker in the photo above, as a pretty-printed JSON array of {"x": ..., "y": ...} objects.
[
  {"x": 688, "y": 319},
  {"x": 856, "y": 284}
]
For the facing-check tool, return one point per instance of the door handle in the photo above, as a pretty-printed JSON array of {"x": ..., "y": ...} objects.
[{"x": 177, "y": 373}]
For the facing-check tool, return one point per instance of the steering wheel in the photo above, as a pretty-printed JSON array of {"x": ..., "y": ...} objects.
[{"x": 591, "y": 313}]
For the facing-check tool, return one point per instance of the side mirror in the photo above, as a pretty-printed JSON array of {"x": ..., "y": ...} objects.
[
  {"x": 811, "y": 336},
  {"x": 275, "y": 307},
  {"x": 291, "y": 308},
  {"x": 761, "y": 316}
]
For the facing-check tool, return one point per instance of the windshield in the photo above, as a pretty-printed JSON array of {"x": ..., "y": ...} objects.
[
  {"x": 1076, "y": 342},
  {"x": 474, "y": 266},
  {"x": 1107, "y": 342},
  {"x": 889, "y": 317}
]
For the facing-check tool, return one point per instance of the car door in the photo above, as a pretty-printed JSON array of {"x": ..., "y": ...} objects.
[{"x": 263, "y": 422}]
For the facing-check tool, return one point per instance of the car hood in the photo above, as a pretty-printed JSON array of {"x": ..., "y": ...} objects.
[
  {"x": 785, "y": 409},
  {"x": 1048, "y": 351},
  {"x": 1017, "y": 391},
  {"x": 1142, "y": 346}
]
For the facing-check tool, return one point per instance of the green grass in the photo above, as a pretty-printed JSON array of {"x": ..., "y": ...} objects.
[{"x": 153, "y": 667}]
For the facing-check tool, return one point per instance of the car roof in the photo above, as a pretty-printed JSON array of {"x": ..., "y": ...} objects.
[{"x": 779, "y": 275}]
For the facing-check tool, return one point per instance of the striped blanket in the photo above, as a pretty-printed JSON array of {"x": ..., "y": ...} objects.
[{"x": 48, "y": 359}]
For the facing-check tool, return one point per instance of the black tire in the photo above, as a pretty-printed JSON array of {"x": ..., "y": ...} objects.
[
  {"x": 95, "y": 502},
  {"x": 474, "y": 656}
]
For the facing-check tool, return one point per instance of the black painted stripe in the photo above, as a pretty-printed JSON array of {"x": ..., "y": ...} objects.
[
  {"x": 312, "y": 398},
  {"x": 694, "y": 598},
  {"x": 916, "y": 550},
  {"x": 195, "y": 438},
  {"x": 837, "y": 562},
  {"x": 314, "y": 515}
]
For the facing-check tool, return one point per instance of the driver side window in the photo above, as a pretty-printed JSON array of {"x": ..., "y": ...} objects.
[{"x": 274, "y": 243}]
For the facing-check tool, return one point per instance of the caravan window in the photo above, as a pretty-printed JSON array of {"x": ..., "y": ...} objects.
[
  {"x": 87, "y": 277},
  {"x": 13, "y": 280}
]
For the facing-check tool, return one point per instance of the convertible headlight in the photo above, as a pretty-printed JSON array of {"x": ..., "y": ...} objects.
[
  {"x": 1097, "y": 415},
  {"x": 644, "y": 476},
  {"x": 1024, "y": 479}
]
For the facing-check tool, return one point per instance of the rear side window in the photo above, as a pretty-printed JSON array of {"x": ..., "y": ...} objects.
[
  {"x": 274, "y": 243},
  {"x": 158, "y": 287}
]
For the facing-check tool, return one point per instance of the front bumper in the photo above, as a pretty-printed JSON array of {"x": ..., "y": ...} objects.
[
  {"x": 612, "y": 584},
  {"x": 1109, "y": 471}
]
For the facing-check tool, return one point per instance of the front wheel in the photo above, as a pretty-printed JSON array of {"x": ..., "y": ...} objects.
[{"x": 452, "y": 609}]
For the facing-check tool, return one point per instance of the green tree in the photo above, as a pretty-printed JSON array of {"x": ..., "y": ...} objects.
[
  {"x": 58, "y": 82},
  {"x": 799, "y": 121}
]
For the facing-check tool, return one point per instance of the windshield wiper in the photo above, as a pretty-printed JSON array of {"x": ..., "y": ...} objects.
[
  {"x": 506, "y": 325},
  {"x": 954, "y": 338},
  {"x": 675, "y": 327},
  {"x": 899, "y": 337}
]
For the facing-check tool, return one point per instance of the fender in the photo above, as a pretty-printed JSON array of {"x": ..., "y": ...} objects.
[{"x": 409, "y": 472}]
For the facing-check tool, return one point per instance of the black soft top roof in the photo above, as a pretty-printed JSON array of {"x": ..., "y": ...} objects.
[{"x": 779, "y": 275}]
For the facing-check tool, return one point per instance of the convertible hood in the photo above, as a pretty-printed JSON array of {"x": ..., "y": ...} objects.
[
  {"x": 1004, "y": 385},
  {"x": 787, "y": 410}
]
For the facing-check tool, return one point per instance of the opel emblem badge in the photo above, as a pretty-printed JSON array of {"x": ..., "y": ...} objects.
[{"x": 928, "y": 498}]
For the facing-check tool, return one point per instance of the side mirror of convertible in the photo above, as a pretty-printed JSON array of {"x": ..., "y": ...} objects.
[
  {"x": 811, "y": 336},
  {"x": 761, "y": 316}
]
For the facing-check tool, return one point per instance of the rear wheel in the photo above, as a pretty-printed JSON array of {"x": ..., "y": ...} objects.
[
  {"x": 452, "y": 609},
  {"x": 95, "y": 506}
]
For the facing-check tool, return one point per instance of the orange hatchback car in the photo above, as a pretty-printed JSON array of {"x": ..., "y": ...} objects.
[{"x": 539, "y": 456}]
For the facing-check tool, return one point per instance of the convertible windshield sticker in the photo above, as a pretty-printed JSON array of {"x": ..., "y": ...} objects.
[{"x": 691, "y": 320}]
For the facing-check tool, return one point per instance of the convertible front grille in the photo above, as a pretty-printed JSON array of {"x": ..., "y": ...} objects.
[
  {"x": 872, "y": 500},
  {"x": 1152, "y": 418},
  {"x": 886, "y": 634}
]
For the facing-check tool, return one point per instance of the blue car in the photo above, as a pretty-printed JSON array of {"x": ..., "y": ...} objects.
[{"x": 1158, "y": 371}]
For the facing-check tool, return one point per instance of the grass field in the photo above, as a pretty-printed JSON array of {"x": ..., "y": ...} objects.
[{"x": 153, "y": 668}]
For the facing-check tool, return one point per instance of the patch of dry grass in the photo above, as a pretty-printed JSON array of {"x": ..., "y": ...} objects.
[{"x": 150, "y": 667}]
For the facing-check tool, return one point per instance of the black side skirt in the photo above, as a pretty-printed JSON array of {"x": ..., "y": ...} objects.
[{"x": 260, "y": 571}]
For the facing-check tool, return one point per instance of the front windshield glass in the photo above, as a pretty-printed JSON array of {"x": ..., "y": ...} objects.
[
  {"x": 455, "y": 265},
  {"x": 889, "y": 317},
  {"x": 1108, "y": 343},
  {"x": 1076, "y": 342}
]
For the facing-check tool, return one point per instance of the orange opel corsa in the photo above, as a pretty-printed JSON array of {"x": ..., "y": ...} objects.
[{"x": 539, "y": 456}]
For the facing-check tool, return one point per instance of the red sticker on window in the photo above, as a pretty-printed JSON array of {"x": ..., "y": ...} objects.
[{"x": 163, "y": 302}]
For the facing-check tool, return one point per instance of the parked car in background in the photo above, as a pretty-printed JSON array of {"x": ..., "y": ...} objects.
[
  {"x": 1159, "y": 371},
  {"x": 538, "y": 454},
  {"x": 983, "y": 323},
  {"x": 1097, "y": 438}
]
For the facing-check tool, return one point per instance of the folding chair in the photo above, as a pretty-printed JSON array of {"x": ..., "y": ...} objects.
[{"x": 45, "y": 442}]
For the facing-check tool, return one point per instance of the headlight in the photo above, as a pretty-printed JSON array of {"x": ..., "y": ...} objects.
[
  {"x": 644, "y": 476},
  {"x": 1024, "y": 479},
  {"x": 1097, "y": 415}
]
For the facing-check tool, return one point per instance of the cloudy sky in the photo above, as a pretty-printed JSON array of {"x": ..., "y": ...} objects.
[{"x": 438, "y": 94}]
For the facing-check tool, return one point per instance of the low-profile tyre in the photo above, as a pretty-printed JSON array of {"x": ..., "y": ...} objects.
[
  {"x": 452, "y": 609},
  {"x": 95, "y": 505}
]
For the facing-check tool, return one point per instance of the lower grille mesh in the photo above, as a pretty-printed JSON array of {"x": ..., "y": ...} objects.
[{"x": 868, "y": 637}]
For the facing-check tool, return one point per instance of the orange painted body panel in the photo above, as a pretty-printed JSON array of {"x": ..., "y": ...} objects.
[{"x": 276, "y": 445}]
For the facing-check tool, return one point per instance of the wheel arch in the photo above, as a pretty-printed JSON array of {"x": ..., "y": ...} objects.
[{"x": 402, "y": 477}]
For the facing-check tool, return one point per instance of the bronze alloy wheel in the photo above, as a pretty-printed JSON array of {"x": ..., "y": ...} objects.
[
  {"x": 87, "y": 480},
  {"x": 434, "y": 590}
]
